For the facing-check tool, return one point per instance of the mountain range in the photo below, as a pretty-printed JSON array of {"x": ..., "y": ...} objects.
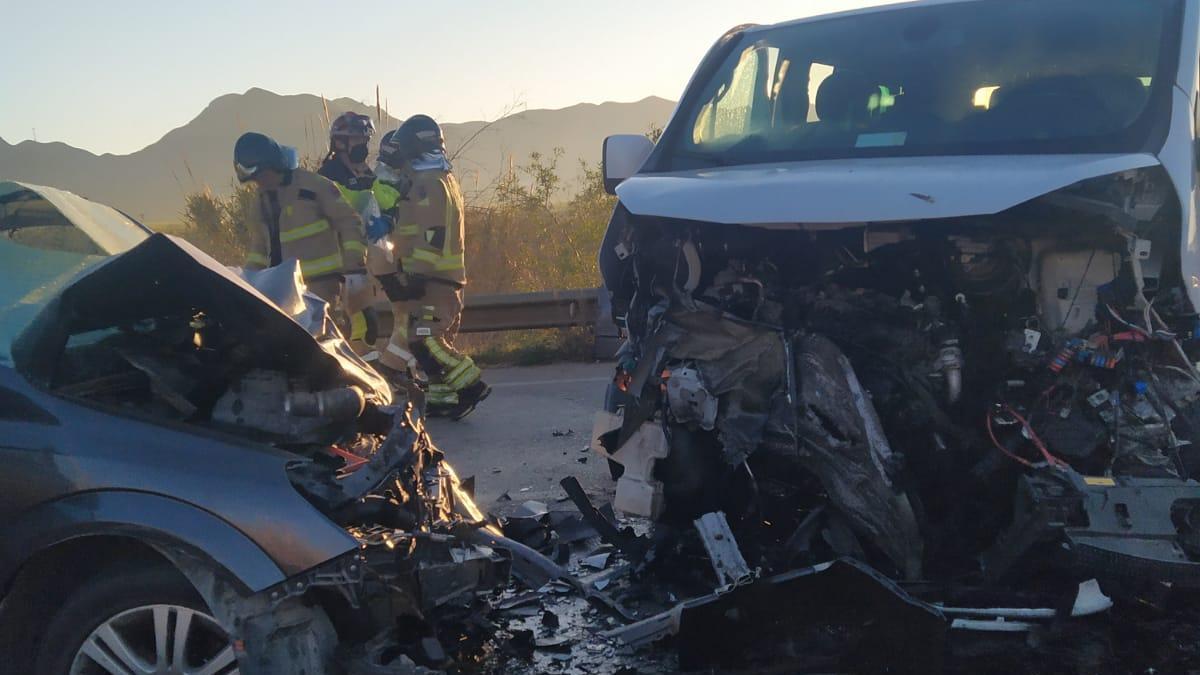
[{"x": 152, "y": 183}]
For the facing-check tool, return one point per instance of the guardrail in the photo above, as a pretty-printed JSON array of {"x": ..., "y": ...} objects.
[
  {"x": 521, "y": 311},
  {"x": 546, "y": 309}
]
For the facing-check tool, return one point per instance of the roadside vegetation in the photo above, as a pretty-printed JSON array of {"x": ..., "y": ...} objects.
[{"x": 526, "y": 232}]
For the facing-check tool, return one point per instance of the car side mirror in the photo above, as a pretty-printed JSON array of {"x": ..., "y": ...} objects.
[{"x": 623, "y": 155}]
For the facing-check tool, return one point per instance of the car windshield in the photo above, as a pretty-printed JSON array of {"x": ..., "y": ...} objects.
[
  {"x": 47, "y": 238},
  {"x": 984, "y": 77}
]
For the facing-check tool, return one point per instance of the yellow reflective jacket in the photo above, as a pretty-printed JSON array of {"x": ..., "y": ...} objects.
[
  {"x": 306, "y": 219},
  {"x": 429, "y": 235}
]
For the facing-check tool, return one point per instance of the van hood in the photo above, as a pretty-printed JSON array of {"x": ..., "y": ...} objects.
[{"x": 864, "y": 190}]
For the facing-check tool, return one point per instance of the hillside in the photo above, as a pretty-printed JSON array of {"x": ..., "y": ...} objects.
[{"x": 151, "y": 183}]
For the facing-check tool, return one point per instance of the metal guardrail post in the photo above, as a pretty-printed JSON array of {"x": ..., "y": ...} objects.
[{"x": 607, "y": 335}]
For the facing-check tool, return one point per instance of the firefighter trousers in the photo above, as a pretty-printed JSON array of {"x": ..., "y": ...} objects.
[
  {"x": 435, "y": 321},
  {"x": 396, "y": 354}
]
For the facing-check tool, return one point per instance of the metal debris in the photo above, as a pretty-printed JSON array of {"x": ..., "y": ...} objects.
[
  {"x": 723, "y": 552},
  {"x": 598, "y": 561}
]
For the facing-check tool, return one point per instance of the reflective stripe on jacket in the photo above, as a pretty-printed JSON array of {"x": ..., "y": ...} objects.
[
  {"x": 316, "y": 227},
  {"x": 429, "y": 234},
  {"x": 391, "y": 200}
]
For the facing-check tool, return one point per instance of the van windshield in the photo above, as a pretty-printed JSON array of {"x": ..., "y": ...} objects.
[{"x": 984, "y": 77}]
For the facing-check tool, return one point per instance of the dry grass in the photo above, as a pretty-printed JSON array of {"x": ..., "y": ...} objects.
[
  {"x": 524, "y": 238},
  {"x": 523, "y": 235}
]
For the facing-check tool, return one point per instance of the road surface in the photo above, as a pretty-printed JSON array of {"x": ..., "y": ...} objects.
[{"x": 530, "y": 434}]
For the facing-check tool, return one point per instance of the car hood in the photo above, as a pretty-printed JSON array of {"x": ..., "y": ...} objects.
[
  {"x": 864, "y": 190},
  {"x": 164, "y": 274},
  {"x": 111, "y": 230}
]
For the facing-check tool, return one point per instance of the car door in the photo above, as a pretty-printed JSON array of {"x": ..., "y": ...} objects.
[{"x": 28, "y": 435}]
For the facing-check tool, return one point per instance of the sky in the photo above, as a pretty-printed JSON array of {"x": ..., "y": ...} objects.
[{"x": 115, "y": 76}]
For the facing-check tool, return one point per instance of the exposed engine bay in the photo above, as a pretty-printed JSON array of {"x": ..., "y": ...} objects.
[
  {"x": 196, "y": 353},
  {"x": 1003, "y": 403}
]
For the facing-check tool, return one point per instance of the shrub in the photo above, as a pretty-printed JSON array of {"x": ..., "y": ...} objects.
[
  {"x": 217, "y": 225},
  {"x": 522, "y": 236}
]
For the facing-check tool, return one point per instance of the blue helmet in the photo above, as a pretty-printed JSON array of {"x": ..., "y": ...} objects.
[{"x": 254, "y": 152}]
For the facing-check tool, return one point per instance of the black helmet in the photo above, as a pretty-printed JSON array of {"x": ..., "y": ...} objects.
[
  {"x": 417, "y": 136},
  {"x": 389, "y": 150},
  {"x": 254, "y": 152}
]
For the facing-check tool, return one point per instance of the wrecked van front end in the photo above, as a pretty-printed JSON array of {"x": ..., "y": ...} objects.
[
  {"x": 900, "y": 371},
  {"x": 170, "y": 409},
  {"x": 937, "y": 316}
]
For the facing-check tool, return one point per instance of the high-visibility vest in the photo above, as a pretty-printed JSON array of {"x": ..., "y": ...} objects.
[{"x": 372, "y": 203}]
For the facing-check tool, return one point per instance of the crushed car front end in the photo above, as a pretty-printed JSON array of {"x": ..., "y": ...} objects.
[{"x": 174, "y": 411}]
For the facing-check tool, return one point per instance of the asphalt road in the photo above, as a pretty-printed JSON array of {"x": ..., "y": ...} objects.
[{"x": 530, "y": 434}]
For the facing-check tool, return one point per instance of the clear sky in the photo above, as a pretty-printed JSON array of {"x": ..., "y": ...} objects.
[{"x": 114, "y": 76}]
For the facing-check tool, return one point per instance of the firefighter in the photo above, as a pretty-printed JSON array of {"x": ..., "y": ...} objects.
[
  {"x": 428, "y": 239},
  {"x": 299, "y": 215},
  {"x": 346, "y": 165},
  {"x": 396, "y": 361}
]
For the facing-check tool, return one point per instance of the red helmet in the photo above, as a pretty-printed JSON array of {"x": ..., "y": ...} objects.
[{"x": 352, "y": 125}]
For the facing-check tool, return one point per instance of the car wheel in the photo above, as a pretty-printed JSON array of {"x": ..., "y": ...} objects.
[{"x": 135, "y": 622}]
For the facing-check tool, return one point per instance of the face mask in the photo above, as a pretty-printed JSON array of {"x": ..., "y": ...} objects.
[{"x": 358, "y": 154}]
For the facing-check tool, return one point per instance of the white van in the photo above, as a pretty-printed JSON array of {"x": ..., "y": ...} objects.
[{"x": 928, "y": 274}]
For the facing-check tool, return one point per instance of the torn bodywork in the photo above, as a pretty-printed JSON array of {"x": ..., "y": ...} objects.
[
  {"x": 1005, "y": 401},
  {"x": 407, "y": 600}
]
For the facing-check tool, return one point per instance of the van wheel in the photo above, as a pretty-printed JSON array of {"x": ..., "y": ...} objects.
[{"x": 136, "y": 621}]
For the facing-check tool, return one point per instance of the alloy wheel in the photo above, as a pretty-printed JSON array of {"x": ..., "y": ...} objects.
[{"x": 157, "y": 640}]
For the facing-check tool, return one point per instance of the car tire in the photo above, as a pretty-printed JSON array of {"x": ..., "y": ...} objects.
[{"x": 150, "y": 618}]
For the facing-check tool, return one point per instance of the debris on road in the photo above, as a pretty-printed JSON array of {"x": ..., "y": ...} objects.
[{"x": 597, "y": 561}]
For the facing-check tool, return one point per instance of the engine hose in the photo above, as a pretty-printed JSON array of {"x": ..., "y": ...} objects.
[
  {"x": 346, "y": 403},
  {"x": 692, "y": 256},
  {"x": 953, "y": 384}
]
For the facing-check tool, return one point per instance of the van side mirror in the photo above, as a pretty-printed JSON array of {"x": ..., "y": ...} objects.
[{"x": 623, "y": 155}]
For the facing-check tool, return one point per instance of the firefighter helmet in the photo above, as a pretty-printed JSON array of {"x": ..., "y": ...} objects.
[
  {"x": 352, "y": 125},
  {"x": 255, "y": 152},
  {"x": 419, "y": 135},
  {"x": 389, "y": 150}
]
